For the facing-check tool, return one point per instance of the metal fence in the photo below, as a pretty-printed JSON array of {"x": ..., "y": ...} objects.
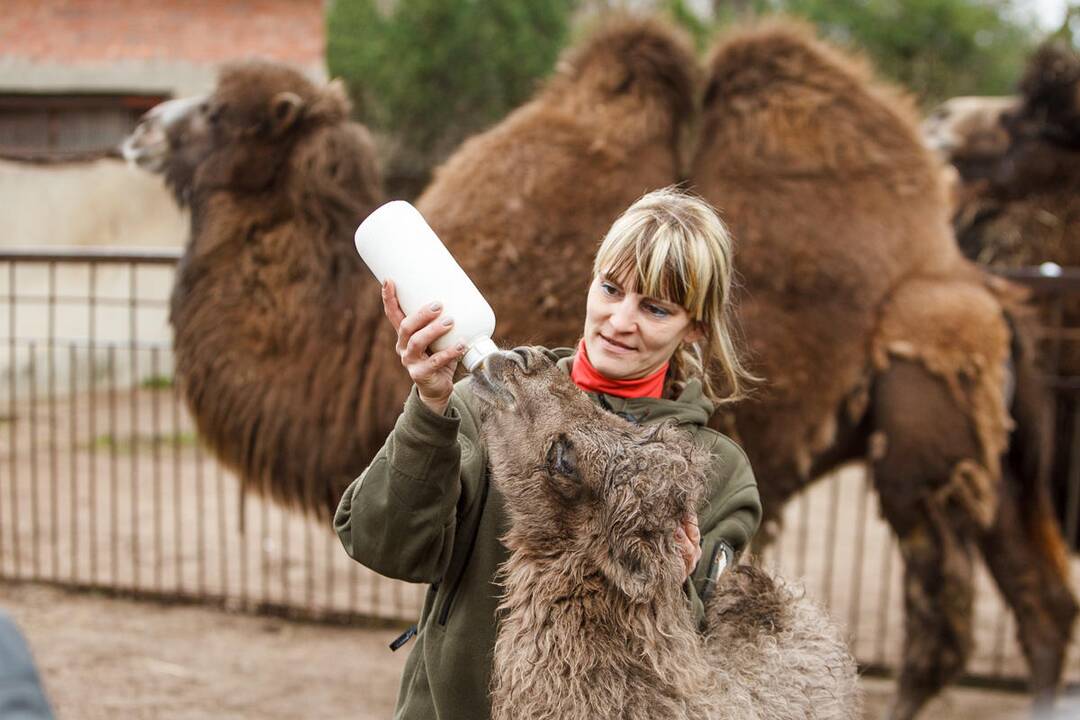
[{"x": 104, "y": 483}]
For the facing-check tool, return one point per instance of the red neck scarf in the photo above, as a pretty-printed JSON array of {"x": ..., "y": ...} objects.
[{"x": 589, "y": 379}]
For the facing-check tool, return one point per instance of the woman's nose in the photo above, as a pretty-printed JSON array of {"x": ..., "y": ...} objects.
[{"x": 623, "y": 318}]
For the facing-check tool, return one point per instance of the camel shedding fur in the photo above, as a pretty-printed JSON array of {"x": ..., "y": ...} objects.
[
  {"x": 273, "y": 312},
  {"x": 594, "y": 622}
]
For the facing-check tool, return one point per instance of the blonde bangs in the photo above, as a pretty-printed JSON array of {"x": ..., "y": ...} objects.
[{"x": 655, "y": 254}]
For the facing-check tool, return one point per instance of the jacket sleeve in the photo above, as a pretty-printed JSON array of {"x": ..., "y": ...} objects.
[
  {"x": 399, "y": 517},
  {"x": 731, "y": 513}
]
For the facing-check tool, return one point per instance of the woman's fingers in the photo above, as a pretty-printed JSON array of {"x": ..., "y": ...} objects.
[
  {"x": 415, "y": 322},
  {"x": 434, "y": 364},
  {"x": 391, "y": 307},
  {"x": 417, "y": 346},
  {"x": 688, "y": 535}
]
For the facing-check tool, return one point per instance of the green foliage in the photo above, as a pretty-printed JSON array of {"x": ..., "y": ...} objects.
[
  {"x": 937, "y": 48},
  {"x": 428, "y": 73}
]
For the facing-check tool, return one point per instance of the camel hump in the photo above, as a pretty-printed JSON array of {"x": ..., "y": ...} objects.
[
  {"x": 798, "y": 101},
  {"x": 627, "y": 55}
]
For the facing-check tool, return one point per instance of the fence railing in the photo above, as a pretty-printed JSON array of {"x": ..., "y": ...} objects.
[{"x": 106, "y": 485}]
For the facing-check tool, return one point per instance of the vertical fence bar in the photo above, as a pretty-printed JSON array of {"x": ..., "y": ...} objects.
[
  {"x": 91, "y": 366},
  {"x": 178, "y": 497},
  {"x": 830, "y": 543},
  {"x": 855, "y": 604},
  {"x": 804, "y": 534},
  {"x": 133, "y": 359},
  {"x": 1072, "y": 500},
  {"x": 155, "y": 428},
  {"x": 264, "y": 550},
  {"x": 35, "y": 534},
  {"x": 223, "y": 531},
  {"x": 309, "y": 561},
  {"x": 329, "y": 544},
  {"x": 54, "y": 460},
  {"x": 13, "y": 423},
  {"x": 200, "y": 520},
  {"x": 883, "y": 599},
  {"x": 114, "y": 477},
  {"x": 73, "y": 425},
  {"x": 241, "y": 506},
  {"x": 285, "y": 549}
]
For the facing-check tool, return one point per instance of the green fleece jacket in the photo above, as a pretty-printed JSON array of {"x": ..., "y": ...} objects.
[{"x": 424, "y": 512}]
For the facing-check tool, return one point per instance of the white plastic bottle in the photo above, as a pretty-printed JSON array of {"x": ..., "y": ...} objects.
[{"x": 397, "y": 244}]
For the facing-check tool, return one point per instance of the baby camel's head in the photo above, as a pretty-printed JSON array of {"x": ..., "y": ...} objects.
[{"x": 582, "y": 485}]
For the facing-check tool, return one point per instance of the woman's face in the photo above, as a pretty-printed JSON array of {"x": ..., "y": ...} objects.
[{"x": 628, "y": 335}]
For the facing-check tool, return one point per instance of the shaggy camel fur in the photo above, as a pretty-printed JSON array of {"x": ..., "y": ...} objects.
[
  {"x": 594, "y": 622},
  {"x": 877, "y": 340},
  {"x": 273, "y": 312}
]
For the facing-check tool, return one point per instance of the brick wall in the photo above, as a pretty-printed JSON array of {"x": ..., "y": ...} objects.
[{"x": 199, "y": 32}]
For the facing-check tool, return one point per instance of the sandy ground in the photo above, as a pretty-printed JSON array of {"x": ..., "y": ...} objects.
[{"x": 110, "y": 658}]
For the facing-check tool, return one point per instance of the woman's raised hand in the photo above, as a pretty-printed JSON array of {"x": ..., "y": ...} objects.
[{"x": 433, "y": 373}]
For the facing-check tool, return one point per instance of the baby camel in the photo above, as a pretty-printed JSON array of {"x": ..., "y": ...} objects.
[{"x": 594, "y": 620}]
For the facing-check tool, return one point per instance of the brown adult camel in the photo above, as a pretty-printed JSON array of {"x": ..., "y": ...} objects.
[
  {"x": 879, "y": 342},
  {"x": 273, "y": 313}
]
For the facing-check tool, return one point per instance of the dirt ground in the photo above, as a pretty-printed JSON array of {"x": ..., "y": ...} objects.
[{"x": 104, "y": 658}]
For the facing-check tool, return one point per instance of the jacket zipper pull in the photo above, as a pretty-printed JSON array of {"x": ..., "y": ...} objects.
[{"x": 403, "y": 638}]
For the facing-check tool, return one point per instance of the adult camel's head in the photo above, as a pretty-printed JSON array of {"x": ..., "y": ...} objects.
[
  {"x": 240, "y": 135},
  {"x": 274, "y": 315},
  {"x": 581, "y": 483}
]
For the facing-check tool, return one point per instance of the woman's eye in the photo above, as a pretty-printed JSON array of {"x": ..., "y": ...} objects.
[
  {"x": 609, "y": 289},
  {"x": 656, "y": 310}
]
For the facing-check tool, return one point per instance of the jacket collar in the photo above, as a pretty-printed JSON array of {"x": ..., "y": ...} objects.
[{"x": 691, "y": 407}]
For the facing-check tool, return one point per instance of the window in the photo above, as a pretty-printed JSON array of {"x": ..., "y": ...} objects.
[{"x": 59, "y": 125}]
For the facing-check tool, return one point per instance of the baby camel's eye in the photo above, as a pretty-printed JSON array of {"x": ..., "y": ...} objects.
[{"x": 561, "y": 457}]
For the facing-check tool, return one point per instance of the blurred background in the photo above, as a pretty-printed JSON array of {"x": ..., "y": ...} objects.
[{"x": 105, "y": 485}]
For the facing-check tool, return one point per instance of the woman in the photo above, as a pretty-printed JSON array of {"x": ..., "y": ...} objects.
[{"x": 657, "y": 317}]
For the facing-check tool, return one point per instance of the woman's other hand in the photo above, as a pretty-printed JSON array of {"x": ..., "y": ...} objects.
[
  {"x": 433, "y": 373},
  {"x": 689, "y": 538}
]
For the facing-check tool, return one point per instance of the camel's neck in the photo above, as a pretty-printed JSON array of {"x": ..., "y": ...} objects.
[{"x": 573, "y": 646}]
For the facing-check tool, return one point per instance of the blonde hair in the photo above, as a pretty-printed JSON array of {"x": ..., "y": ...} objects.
[{"x": 678, "y": 250}]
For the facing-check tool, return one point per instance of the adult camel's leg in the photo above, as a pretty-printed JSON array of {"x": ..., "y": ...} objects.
[
  {"x": 920, "y": 435},
  {"x": 1024, "y": 549}
]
